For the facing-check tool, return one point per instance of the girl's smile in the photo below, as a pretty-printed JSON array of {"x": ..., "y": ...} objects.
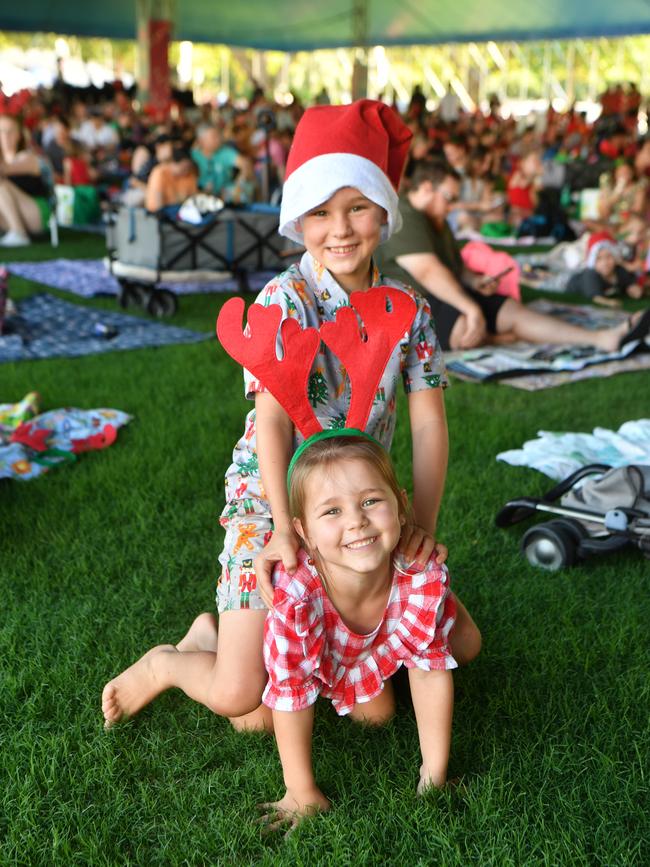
[
  {"x": 342, "y": 234},
  {"x": 352, "y": 522}
]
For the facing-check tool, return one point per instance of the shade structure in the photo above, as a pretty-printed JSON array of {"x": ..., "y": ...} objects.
[{"x": 293, "y": 25}]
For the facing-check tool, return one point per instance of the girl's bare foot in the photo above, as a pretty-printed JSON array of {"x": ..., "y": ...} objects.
[
  {"x": 126, "y": 695},
  {"x": 202, "y": 635}
]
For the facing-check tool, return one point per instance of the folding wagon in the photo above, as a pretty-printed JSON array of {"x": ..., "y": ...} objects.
[{"x": 148, "y": 249}]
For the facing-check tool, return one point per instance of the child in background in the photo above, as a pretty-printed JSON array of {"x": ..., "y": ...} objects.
[
  {"x": 340, "y": 201},
  {"x": 524, "y": 186},
  {"x": 77, "y": 171},
  {"x": 604, "y": 279},
  {"x": 351, "y": 615}
]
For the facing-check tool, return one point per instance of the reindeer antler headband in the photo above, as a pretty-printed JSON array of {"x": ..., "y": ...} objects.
[{"x": 386, "y": 313}]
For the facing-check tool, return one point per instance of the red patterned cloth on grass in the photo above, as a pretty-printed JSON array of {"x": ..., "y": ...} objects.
[{"x": 309, "y": 651}]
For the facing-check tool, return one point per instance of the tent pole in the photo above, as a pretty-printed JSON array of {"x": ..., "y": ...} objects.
[
  {"x": 360, "y": 39},
  {"x": 154, "y": 27}
]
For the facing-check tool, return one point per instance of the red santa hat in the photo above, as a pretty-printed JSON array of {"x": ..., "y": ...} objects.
[
  {"x": 363, "y": 145},
  {"x": 599, "y": 241}
]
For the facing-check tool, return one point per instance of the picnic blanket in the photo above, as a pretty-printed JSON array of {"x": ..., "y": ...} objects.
[
  {"x": 506, "y": 240},
  {"x": 47, "y": 327},
  {"x": 90, "y": 277},
  {"x": 536, "y": 366},
  {"x": 30, "y": 444},
  {"x": 557, "y": 455}
]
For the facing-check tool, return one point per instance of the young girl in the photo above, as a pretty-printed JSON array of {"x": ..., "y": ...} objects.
[
  {"x": 351, "y": 615},
  {"x": 339, "y": 200}
]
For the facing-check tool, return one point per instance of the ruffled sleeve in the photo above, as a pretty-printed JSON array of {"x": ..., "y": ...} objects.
[
  {"x": 421, "y": 639},
  {"x": 294, "y": 642}
]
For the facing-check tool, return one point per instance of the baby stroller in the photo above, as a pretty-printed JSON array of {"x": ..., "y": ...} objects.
[
  {"x": 601, "y": 515},
  {"x": 145, "y": 250}
]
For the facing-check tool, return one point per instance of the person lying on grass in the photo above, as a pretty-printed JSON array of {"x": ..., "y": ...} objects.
[
  {"x": 604, "y": 279},
  {"x": 340, "y": 200},
  {"x": 352, "y": 613}
]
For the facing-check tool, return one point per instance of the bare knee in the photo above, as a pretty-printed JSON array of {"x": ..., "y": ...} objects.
[
  {"x": 467, "y": 644},
  {"x": 378, "y": 711},
  {"x": 234, "y": 699},
  {"x": 374, "y": 719}
]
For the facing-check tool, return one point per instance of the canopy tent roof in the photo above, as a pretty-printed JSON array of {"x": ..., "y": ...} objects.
[{"x": 310, "y": 24}]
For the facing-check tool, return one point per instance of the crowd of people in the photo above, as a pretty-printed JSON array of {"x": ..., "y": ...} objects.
[{"x": 499, "y": 176}]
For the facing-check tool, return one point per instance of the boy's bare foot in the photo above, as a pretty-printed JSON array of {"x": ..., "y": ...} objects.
[
  {"x": 202, "y": 635},
  {"x": 126, "y": 695},
  {"x": 258, "y": 720}
]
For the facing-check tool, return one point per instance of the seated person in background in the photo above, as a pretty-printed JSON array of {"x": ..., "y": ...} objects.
[
  {"x": 58, "y": 145},
  {"x": 24, "y": 195},
  {"x": 524, "y": 185},
  {"x": 633, "y": 237},
  {"x": 270, "y": 157},
  {"x": 244, "y": 189},
  {"x": 604, "y": 279},
  {"x": 143, "y": 161},
  {"x": 77, "y": 171},
  {"x": 621, "y": 194},
  {"x": 419, "y": 150},
  {"x": 216, "y": 161},
  {"x": 95, "y": 133},
  {"x": 479, "y": 201},
  {"x": 171, "y": 183},
  {"x": 425, "y": 255}
]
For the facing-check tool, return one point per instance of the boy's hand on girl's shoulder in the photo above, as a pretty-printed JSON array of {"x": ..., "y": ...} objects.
[
  {"x": 282, "y": 548},
  {"x": 417, "y": 546}
]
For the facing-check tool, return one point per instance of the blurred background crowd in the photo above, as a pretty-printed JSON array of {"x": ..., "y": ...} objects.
[{"x": 518, "y": 177}]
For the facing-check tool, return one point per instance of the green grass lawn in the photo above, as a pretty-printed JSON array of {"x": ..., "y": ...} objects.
[{"x": 105, "y": 558}]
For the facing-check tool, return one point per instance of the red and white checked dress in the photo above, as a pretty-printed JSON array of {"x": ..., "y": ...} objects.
[{"x": 309, "y": 651}]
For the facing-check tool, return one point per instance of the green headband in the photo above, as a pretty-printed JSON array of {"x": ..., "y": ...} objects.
[{"x": 326, "y": 435}]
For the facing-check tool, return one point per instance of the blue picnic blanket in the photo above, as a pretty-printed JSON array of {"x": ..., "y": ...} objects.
[
  {"x": 89, "y": 278},
  {"x": 47, "y": 327}
]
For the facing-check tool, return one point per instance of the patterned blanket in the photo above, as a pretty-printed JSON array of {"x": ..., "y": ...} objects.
[{"x": 47, "y": 327}]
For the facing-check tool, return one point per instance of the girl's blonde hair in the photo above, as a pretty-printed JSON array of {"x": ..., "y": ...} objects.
[{"x": 324, "y": 453}]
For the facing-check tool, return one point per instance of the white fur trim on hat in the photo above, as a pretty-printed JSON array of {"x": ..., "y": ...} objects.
[{"x": 316, "y": 180}]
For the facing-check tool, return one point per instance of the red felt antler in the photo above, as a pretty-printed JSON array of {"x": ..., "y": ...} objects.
[
  {"x": 366, "y": 360},
  {"x": 285, "y": 378}
]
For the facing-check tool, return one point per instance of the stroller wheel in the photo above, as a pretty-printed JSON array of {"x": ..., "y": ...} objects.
[
  {"x": 162, "y": 303},
  {"x": 549, "y": 546}
]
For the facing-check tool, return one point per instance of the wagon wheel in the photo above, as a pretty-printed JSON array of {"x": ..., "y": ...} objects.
[{"x": 162, "y": 303}]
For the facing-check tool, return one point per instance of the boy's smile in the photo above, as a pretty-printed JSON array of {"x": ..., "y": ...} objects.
[{"x": 342, "y": 235}]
